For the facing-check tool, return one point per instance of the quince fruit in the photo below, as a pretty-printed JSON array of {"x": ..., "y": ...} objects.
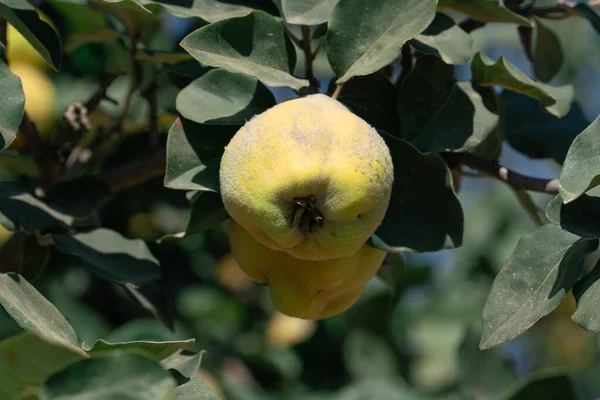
[
  {"x": 307, "y": 177},
  {"x": 307, "y": 289}
]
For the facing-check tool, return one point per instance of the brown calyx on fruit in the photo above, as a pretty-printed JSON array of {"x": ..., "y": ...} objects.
[{"x": 306, "y": 215}]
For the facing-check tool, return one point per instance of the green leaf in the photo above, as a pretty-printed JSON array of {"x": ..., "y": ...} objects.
[
  {"x": 368, "y": 356},
  {"x": 445, "y": 115},
  {"x": 96, "y": 35},
  {"x": 485, "y": 11},
  {"x": 40, "y": 34},
  {"x": 186, "y": 364},
  {"x": 221, "y": 97},
  {"x": 544, "y": 385},
  {"x": 376, "y": 389},
  {"x": 164, "y": 57},
  {"x": 548, "y": 56},
  {"x": 556, "y": 100},
  {"x": 153, "y": 297},
  {"x": 194, "y": 155},
  {"x": 27, "y": 360},
  {"x": 444, "y": 39},
  {"x": 207, "y": 212},
  {"x": 581, "y": 217},
  {"x": 307, "y": 12},
  {"x": 155, "y": 350},
  {"x": 581, "y": 170},
  {"x": 126, "y": 376},
  {"x": 15, "y": 165},
  {"x": 537, "y": 133},
  {"x": 587, "y": 294},
  {"x": 363, "y": 37},
  {"x": 255, "y": 45},
  {"x": 532, "y": 283},
  {"x": 111, "y": 256},
  {"x": 12, "y": 104},
  {"x": 32, "y": 312},
  {"x": 373, "y": 98},
  {"x": 213, "y": 10},
  {"x": 424, "y": 213},
  {"x": 482, "y": 373},
  {"x": 196, "y": 389}
]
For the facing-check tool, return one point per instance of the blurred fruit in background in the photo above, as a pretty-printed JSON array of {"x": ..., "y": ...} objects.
[
  {"x": 231, "y": 275},
  {"x": 19, "y": 50},
  {"x": 40, "y": 95},
  {"x": 283, "y": 331},
  {"x": 140, "y": 226}
]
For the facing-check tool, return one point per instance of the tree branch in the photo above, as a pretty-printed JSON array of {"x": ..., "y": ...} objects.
[
  {"x": 495, "y": 170},
  {"x": 136, "y": 172},
  {"x": 308, "y": 57}
]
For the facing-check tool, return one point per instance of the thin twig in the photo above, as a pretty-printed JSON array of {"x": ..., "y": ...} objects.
[
  {"x": 316, "y": 52},
  {"x": 308, "y": 57},
  {"x": 338, "y": 90},
  {"x": 495, "y": 170},
  {"x": 100, "y": 94},
  {"x": 292, "y": 37}
]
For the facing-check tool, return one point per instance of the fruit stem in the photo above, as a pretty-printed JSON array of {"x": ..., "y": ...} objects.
[{"x": 306, "y": 215}]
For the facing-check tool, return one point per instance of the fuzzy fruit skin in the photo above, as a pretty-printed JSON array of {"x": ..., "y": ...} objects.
[
  {"x": 308, "y": 147},
  {"x": 305, "y": 289}
]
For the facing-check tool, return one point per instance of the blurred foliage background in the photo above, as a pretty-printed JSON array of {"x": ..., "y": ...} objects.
[{"x": 422, "y": 333}]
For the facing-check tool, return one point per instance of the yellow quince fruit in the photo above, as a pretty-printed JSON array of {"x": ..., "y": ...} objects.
[
  {"x": 308, "y": 177},
  {"x": 308, "y": 289}
]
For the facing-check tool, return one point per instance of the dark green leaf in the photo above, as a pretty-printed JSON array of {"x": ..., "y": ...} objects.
[
  {"x": 27, "y": 360},
  {"x": 485, "y": 11},
  {"x": 539, "y": 134},
  {"x": 164, "y": 57},
  {"x": 79, "y": 197},
  {"x": 196, "y": 389},
  {"x": 581, "y": 170},
  {"x": 121, "y": 376},
  {"x": 581, "y": 217},
  {"x": 155, "y": 350},
  {"x": 363, "y": 37},
  {"x": 438, "y": 114},
  {"x": 194, "y": 155},
  {"x": 12, "y": 104},
  {"x": 15, "y": 165},
  {"x": 373, "y": 98},
  {"x": 111, "y": 256},
  {"x": 547, "y": 51},
  {"x": 186, "y": 364},
  {"x": 544, "y": 386},
  {"x": 424, "y": 213},
  {"x": 221, "y": 97},
  {"x": 34, "y": 313},
  {"x": 255, "y": 45},
  {"x": 445, "y": 39},
  {"x": 556, "y": 100},
  {"x": 307, "y": 12},
  {"x": 153, "y": 297},
  {"x": 39, "y": 33},
  {"x": 587, "y": 294},
  {"x": 207, "y": 211},
  {"x": 215, "y": 10},
  {"x": 532, "y": 283}
]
